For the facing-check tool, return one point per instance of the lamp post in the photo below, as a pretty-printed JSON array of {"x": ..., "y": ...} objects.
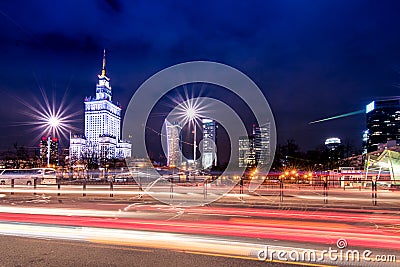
[
  {"x": 194, "y": 149},
  {"x": 191, "y": 115},
  {"x": 48, "y": 151},
  {"x": 54, "y": 123}
]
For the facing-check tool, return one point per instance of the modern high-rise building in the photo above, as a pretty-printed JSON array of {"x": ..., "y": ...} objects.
[
  {"x": 247, "y": 154},
  {"x": 365, "y": 142},
  {"x": 262, "y": 145},
  {"x": 332, "y": 143},
  {"x": 49, "y": 151},
  {"x": 209, "y": 149},
  {"x": 102, "y": 124},
  {"x": 335, "y": 148},
  {"x": 174, "y": 146},
  {"x": 383, "y": 123}
]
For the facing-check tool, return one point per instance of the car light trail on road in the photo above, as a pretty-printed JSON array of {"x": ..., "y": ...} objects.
[
  {"x": 228, "y": 231},
  {"x": 362, "y": 237},
  {"x": 157, "y": 240},
  {"x": 320, "y": 228}
]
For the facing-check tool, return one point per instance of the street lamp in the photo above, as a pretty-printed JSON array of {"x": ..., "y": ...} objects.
[
  {"x": 293, "y": 175},
  {"x": 191, "y": 115},
  {"x": 54, "y": 122}
]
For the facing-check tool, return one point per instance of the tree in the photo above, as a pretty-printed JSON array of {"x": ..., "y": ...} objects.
[{"x": 90, "y": 157}]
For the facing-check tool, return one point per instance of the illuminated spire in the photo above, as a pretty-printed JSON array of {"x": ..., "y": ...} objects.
[
  {"x": 103, "y": 88},
  {"x": 103, "y": 69}
]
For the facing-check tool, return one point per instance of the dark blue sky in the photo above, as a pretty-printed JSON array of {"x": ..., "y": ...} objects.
[{"x": 312, "y": 59}]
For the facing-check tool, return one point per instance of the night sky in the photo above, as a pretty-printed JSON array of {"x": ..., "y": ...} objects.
[{"x": 312, "y": 59}]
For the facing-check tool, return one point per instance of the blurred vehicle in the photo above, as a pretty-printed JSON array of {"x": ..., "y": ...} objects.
[{"x": 28, "y": 176}]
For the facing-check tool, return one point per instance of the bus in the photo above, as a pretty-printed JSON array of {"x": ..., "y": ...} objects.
[{"x": 28, "y": 176}]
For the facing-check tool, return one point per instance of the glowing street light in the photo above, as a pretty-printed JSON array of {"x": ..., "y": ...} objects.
[
  {"x": 53, "y": 122},
  {"x": 190, "y": 109},
  {"x": 48, "y": 117},
  {"x": 191, "y": 115}
]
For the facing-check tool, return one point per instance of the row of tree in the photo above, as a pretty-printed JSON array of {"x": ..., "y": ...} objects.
[
  {"x": 321, "y": 158},
  {"x": 29, "y": 157}
]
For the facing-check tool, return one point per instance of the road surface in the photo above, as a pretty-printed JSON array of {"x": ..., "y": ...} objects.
[{"x": 227, "y": 232}]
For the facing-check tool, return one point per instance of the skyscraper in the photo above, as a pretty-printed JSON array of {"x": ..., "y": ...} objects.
[
  {"x": 383, "y": 123},
  {"x": 49, "y": 151},
  {"x": 262, "y": 144},
  {"x": 332, "y": 143},
  {"x": 174, "y": 148},
  {"x": 102, "y": 116},
  {"x": 102, "y": 123},
  {"x": 334, "y": 148},
  {"x": 247, "y": 154},
  {"x": 209, "y": 149}
]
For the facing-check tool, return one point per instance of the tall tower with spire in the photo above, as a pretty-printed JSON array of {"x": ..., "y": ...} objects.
[
  {"x": 103, "y": 88},
  {"x": 103, "y": 122},
  {"x": 102, "y": 116}
]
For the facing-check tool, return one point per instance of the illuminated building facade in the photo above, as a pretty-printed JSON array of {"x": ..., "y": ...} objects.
[
  {"x": 365, "y": 142},
  {"x": 209, "y": 148},
  {"x": 335, "y": 148},
  {"x": 247, "y": 154},
  {"x": 77, "y": 146},
  {"x": 174, "y": 146},
  {"x": 332, "y": 143},
  {"x": 262, "y": 145},
  {"x": 49, "y": 151},
  {"x": 102, "y": 124},
  {"x": 383, "y": 123}
]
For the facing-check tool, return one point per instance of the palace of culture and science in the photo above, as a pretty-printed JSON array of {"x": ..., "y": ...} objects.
[{"x": 102, "y": 125}]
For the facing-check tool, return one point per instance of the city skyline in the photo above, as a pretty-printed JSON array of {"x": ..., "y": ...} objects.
[{"x": 289, "y": 65}]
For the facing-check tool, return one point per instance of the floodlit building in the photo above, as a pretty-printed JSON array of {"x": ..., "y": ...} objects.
[
  {"x": 102, "y": 124},
  {"x": 262, "y": 145},
  {"x": 383, "y": 123},
  {"x": 335, "y": 149},
  {"x": 332, "y": 143},
  {"x": 365, "y": 142},
  {"x": 247, "y": 154},
  {"x": 209, "y": 149},
  {"x": 174, "y": 146},
  {"x": 77, "y": 146}
]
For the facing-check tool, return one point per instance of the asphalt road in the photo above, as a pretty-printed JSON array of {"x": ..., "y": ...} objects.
[
  {"x": 132, "y": 231},
  {"x": 17, "y": 251}
]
